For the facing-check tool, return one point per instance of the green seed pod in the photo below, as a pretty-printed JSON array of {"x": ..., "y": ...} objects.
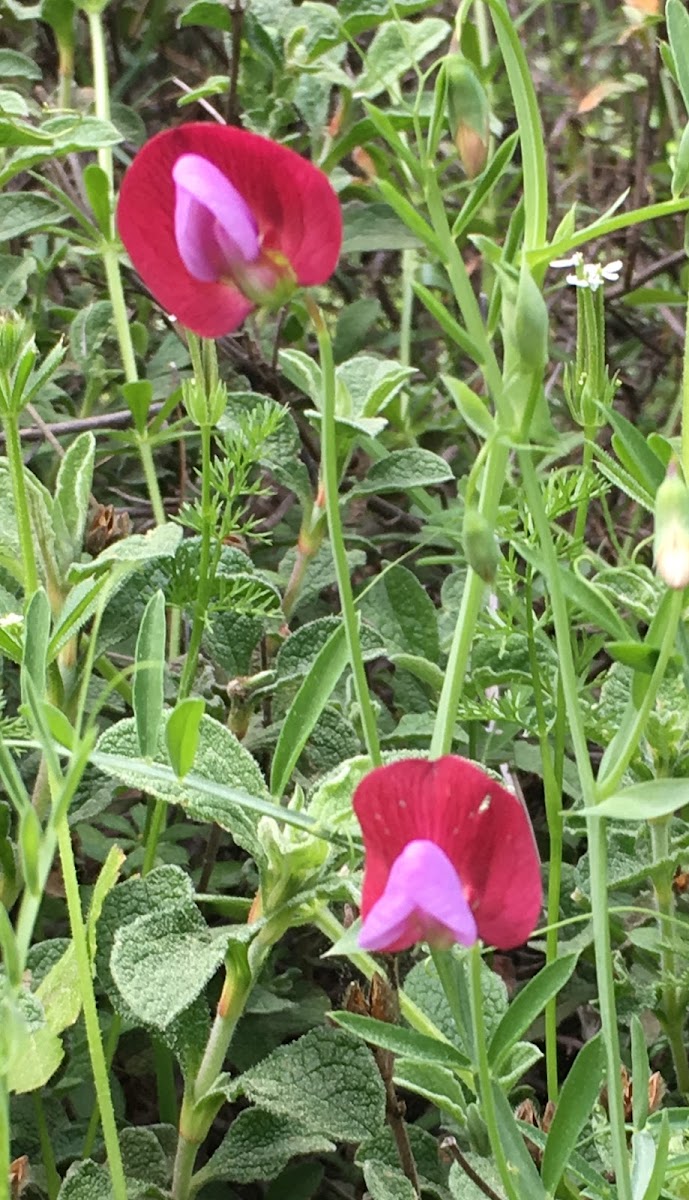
[
  {"x": 480, "y": 545},
  {"x": 680, "y": 175},
  {"x": 469, "y": 114},
  {"x": 30, "y": 835},
  {"x": 530, "y": 322},
  {"x": 671, "y": 531}
]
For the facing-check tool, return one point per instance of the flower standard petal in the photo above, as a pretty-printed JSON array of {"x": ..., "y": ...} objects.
[
  {"x": 423, "y": 900},
  {"x": 481, "y": 827},
  {"x": 296, "y": 211}
]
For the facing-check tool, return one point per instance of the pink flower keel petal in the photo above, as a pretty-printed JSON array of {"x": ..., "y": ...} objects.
[
  {"x": 214, "y": 226},
  {"x": 423, "y": 900}
]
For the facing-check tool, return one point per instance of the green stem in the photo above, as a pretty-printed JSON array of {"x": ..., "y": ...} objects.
[
  {"x": 110, "y": 254},
  {"x": 461, "y": 286},
  {"x": 110, "y": 1048},
  {"x": 594, "y": 825},
  {"x": 331, "y": 928},
  {"x": 16, "y": 462},
  {"x": 201, "y": 606},
  {"x": 583, "y": 505},
  {"x": 88, "y": 999},
  {"x": 553, "y": 811},
  {"x": 101, "y": 85},
  {"x": 111, "y": 263},
  {"x": 53, "y": 1180},
  {"x": 5, "y": 1158},
  {"x": 446, "y": 966},
  {"x": 610, "y": 776},
  {"x": 685, "y": 404},
  {"x": 310, "y": 538},
  {"x": 472, "y": 596},
  {"x": 331, "y": 485},
  {"x": 673, "y": 1012},
  {"x": 152, "y": 837},
  {"x": 194, "y": 1124}
]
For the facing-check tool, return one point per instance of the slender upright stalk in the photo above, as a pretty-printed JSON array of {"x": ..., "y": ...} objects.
[
  {"x": 194, "y": 1125},
  {"x": 595, "y": 827},
  {"x": 685, "y": 400},
  {"x": 110, "y": 254},
  {"x": 447, "y": 973},
  {"x": 53, "y": 1180},
  {"x": 5, "y": 1158},
  {"x": 611, "y": 773},
  {"x": 553, "y": 810},
  {"x": 673, "y": 1010},
  {"x": 331, "y": 485},
  {"x": 88, "y": 998},
  {"x": 201, "y": 606},
  {"x": 474, "y": 588}
]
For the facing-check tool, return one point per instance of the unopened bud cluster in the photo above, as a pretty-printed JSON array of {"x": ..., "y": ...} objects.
[
  {"x": 671, "y": 533},
  {"x": 205, "y": 406},
  {"x": 469, "y": 114}
]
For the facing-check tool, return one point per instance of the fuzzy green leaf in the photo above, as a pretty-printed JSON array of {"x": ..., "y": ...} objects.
[
  {"x": 387, "y": 1183},
  {"x": 400, "y": 609},
  {"x": 163, "y": 961},
  {"x": 72, "y": 492},
  {"x": 404, "y": 469},
  {"x": 259, "y": 1145},
  {"x": 220, "y": 759},
  {"x": 327, "y": 1081}
]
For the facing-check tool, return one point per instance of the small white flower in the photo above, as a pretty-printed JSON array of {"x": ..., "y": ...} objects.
[
  {"x": 575, "y": 261},
  {"x": 589, "y": 275}
]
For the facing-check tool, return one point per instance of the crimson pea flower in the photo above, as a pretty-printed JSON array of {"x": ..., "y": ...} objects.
[
  {"x": 217, "y": 220},
  {"x": 450, "y": 857}
]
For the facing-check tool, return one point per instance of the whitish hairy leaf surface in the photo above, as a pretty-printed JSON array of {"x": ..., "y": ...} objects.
[
  {"x": 164, "y": 889},
  {"x": 220, "y": 758},
  {"x": 299, "y": 652},
  {"x": 424, "y": 988},
  {"x": 437, "y": 1084},
  {"x": 143, "y": 1156},
  {"x": 330, "y": 802},
  {"x": 404, "y": 469},
  {"x": 163, "y": 961},
  {"x": 160, "y": 542},
  {"x": 386, "y": 1183},
  {"x": 326, "y": 1080},
  {"x": 382, "y": 1150},
  {"x": 40, "y": 505},
  {"x": 399, "y": 607},
  {"x": 260, "y": 1144},
  {"x": 463, "y": 1188},
  {"x": 87, "y": 1180},
  {"x": 72, "y": 490}
]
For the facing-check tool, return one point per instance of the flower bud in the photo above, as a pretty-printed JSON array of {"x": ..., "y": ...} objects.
[
  {"x": 480, "y": 545},
  {"x": 14, "y": 333},
  {"x": 204, "y": 409},
  {"x": 671, "y": 534},
  {"x": 468, "y": 114}
]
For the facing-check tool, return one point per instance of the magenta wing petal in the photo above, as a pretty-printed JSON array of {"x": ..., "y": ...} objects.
[
  {"x": 214, "y": 226},
  {"x": 483, "y": 829},
  {"x": 423, "y": 900},
  {"x": 294, "y": 206}
]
